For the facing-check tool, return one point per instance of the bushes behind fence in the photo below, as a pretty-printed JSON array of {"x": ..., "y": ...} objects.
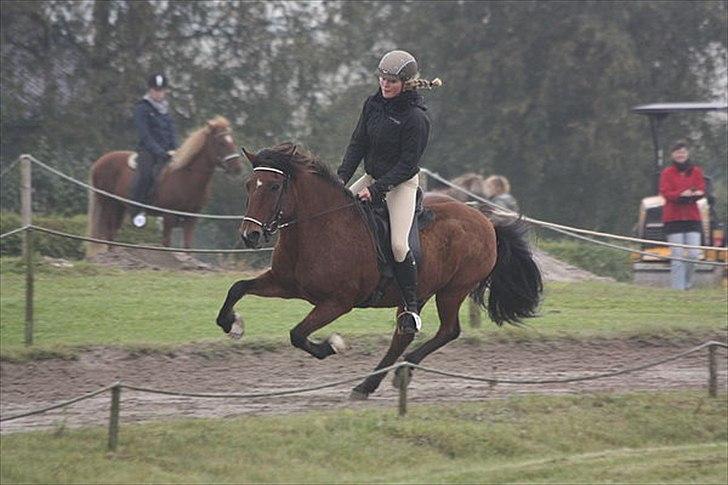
[{"x": 61, "y": 247}]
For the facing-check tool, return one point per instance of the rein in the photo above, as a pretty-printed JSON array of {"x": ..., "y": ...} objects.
[{"x": 274, "y": 224}]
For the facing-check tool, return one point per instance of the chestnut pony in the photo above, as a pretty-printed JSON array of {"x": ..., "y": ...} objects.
[
  {"x": 182, "y": 185},
  {"x": 326, "y": 256}
]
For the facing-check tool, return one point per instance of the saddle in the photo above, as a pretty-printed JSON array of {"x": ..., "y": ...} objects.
[
  {"x": 376, "y": 216},
  {"x": 132, "y": 160}
]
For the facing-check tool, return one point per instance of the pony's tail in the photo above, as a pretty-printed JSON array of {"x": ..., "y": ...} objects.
[
  {"x": 93, "y": 217},
  {"x": 515, "y": 282}
]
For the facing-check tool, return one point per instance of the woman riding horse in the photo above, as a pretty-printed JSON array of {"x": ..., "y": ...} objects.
[
  {"x": 325, "y": 255},
  {"x": 391, "y": 137}
]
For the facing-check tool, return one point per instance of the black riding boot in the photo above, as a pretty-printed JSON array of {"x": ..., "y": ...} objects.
[{"x": 406, "y": 275}]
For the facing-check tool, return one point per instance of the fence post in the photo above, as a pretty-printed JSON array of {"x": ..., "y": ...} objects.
[
  {"x": 404, "y": 376},
  {"x": 712, "y": 372},
  {"x": 475, "y": 320},
  {"x": 26, "y": 215},
  {"x": 114, "y": 416}
]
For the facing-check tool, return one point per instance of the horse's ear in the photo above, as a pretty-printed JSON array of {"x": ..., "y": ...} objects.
[{"x": 250, "y": 156}]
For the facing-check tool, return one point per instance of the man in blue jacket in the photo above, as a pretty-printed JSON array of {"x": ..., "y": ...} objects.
[{"x": 157, "y": 141}]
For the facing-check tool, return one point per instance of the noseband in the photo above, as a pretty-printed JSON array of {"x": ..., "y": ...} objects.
[{"x": 271, "y": 227}]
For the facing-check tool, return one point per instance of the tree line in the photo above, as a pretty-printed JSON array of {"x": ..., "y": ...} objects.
[{"x": 537, "y": 91}]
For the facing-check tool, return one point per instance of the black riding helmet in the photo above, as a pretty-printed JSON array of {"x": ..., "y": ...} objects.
[{"x": 157, "y": 81}]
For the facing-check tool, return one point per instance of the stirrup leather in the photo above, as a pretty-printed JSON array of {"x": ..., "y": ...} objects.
[{"x": 417, "y": 318}]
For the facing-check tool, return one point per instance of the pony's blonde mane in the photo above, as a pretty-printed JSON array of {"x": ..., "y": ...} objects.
[{"x": 191, "y": 147}]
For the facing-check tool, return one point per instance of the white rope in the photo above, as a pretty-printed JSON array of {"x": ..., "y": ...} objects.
[
  {"x": 510, "y": 213},
  {"x": 644, "y": 253},
  {"x": 142, "y": 246},
  {"x": 10, "y": 166},
  {"x": 128, "y": 201},
  {"x": 14, "y": 231},
  {"x": 502, "y": 211}
]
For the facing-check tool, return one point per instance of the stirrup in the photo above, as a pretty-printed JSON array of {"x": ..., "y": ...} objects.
[
  {"x": 140, "y": 220},
  {"x": 415, "y": 317}
]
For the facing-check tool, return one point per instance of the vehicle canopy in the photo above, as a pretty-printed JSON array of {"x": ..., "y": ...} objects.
[{"x": 657, "y": 112}]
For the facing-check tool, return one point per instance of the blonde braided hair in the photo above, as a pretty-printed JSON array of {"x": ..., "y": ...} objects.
[{"x": 419, "y": 83}]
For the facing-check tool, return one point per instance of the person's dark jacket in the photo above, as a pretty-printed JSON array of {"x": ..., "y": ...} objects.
[
  {"x": 157, "y": 134},
  {"x": 391, "y": 136}
]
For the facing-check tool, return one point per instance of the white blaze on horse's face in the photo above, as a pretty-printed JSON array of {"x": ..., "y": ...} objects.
[{"x": 265, "y": 191}]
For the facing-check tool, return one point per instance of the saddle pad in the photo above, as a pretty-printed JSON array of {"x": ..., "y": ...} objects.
[{"x": 132, "y": 161}]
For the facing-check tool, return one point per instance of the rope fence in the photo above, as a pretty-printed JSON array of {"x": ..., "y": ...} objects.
[
  {"x": 125, "y": 200},
  {"x": 428, "y": 172},
  {"x": 550, "y": 225},
  {"x": 403, "y": 369},
  {"x": 28, "y": 227}
]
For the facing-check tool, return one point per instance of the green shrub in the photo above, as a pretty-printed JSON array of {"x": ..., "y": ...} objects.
[
  {"x": 599, "y": 260},
  {"x": 61, "y": 247}
]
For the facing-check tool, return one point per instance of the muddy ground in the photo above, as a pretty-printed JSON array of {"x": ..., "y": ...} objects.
[{"x": 241, "y": 369}]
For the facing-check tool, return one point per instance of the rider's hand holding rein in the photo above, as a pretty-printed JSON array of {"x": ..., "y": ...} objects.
[{"x": 391, "y": 136}]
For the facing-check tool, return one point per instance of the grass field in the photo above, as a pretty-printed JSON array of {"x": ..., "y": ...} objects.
[
  {"x": 660, "y": 437},
  {"x": 87, "y": 305}
]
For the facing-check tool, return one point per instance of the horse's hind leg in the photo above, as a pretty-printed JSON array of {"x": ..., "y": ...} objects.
[
  {"x": 448, "y": 306},
  {"x": 400, "y": 341}
]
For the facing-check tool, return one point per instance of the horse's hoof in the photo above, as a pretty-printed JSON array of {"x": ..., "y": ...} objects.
[
  {"x": 357, "y": 395},
  {"x": 403, "y": 373},
  {"x": 337, "y": 343},
  {"x": 238, "y": 328}
]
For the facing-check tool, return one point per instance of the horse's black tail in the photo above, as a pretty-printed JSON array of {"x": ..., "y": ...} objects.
[{"x": 515, "y": 282}]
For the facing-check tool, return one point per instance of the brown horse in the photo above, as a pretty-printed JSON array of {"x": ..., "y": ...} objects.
[
  {"x": 326, "y": 256},
  {"x": 183, "y": 185}
]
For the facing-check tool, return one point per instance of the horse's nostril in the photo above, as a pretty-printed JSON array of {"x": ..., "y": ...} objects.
[{"x": 251, "y": 239}]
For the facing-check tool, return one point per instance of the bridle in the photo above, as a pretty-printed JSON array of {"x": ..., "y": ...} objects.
[
  {"x": 274, "y": 224},
  {"x": 222, "y": 160}
]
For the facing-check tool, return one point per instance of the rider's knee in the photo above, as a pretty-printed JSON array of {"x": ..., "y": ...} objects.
[{"x": 400, "y": 250}]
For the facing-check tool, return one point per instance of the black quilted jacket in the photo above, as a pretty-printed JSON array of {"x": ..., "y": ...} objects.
[{"x": 391, "y": 137}]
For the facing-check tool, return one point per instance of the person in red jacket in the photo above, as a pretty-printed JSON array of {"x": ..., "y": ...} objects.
[{"x": 682, "y": 184}]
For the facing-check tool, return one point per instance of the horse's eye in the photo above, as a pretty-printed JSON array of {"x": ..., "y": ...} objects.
[{"x": 275, "y": 187}]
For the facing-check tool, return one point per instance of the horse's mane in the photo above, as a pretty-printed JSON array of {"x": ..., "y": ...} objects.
[
  {"x": 280, "y": 157},
  {"x": 191, "y": 147}
]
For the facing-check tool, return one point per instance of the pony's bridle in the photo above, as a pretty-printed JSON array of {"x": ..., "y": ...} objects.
[
  {"x": 274, "y": 224},
  {"x": 221, "y": 161}
]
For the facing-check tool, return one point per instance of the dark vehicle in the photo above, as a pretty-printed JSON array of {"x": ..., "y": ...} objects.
[{"x": 652, "y": 269}]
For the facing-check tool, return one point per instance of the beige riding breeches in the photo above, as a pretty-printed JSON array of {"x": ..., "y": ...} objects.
[{"x": 401, "y": 202}]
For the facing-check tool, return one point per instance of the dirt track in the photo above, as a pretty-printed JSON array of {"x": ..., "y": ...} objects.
[{"x": 36, "y": 384}]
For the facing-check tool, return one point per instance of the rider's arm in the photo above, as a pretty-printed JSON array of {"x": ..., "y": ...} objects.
[
  {"x": 414, "y": 141},
  {"x": 142, "y": 125},
  {"x": 175, "y": 138},
  {"x": 356, "y": 150}
]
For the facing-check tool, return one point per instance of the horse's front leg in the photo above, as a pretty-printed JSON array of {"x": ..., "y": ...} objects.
[
  {"x": 264, "y": 285},
  {"x": 321, "y": 315}
]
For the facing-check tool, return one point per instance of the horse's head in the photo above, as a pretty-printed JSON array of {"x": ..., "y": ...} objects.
[
  {"x": 222, "y": 146},
  {"x": 266, "y": 187}
]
